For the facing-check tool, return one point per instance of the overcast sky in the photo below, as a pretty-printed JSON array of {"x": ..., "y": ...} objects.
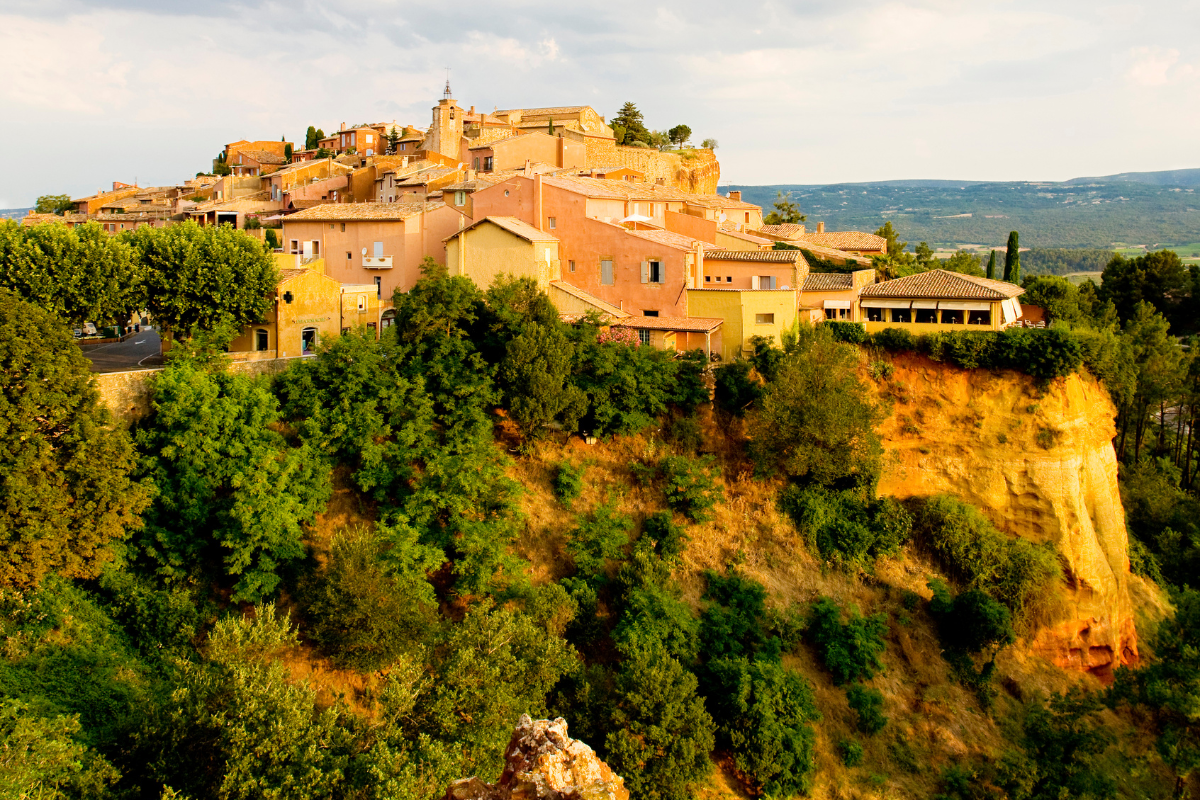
[{"x": 814, "y": 92}]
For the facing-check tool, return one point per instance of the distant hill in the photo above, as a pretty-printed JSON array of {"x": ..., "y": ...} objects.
[
  {"x": 14, "y": 213},
  {"x": 1172, "y": 177},
  {"x": 1086, "y": 212}
]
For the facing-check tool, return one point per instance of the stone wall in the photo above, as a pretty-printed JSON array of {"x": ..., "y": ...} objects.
[
  {"x": 127, "y": 394},
  {"x": 700, "y": 172}
]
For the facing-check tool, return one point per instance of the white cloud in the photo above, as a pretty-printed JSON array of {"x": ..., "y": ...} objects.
[{"x": 1155, "y": 66}]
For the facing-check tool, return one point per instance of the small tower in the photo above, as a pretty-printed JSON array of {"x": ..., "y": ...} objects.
[{"x": 445, "y": 134}]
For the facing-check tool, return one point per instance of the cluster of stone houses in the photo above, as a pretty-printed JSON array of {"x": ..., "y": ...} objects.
[{"x": 637, "y": 236}]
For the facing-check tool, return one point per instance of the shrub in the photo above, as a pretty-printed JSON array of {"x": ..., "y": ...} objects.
[
  {"x": 763, "y": 713},
  {"x": 851, "y": 752},
  {"x": 848, "y": 332},
  {"x": 735, "y": 390},
  {"x": 1012, "y": 570},
  {"x": 734, "y": 623},
  {"x": 669, "y": 539},
  {"x": 972, "y": 621},
  {"x": 568, "y": 482},
  {"x": 843, "y": 528},
  {"x": 598, "y": 538},
  {"x": 691, "y": 485},
  {"x": 867, "y": 703},
  {"x": 686, "y": 434},
  {"x": 894, "y": 339},
  {"x": 880, "y": 370},
  {"x": 850, "y": 650}
]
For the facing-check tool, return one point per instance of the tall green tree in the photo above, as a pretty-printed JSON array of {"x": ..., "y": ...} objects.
[
  {"x": 1157, "y": 278},
  {"x": 232, "y": 496},
  {"x": 632, "y": 126},
  {"x": 991, "y": 266},
  {"x": 66, "y": 488},
  {"x": 1012, "y": 259},
  {"x": 310, "y": 138},
  {"x": 393, "y": 138},
  {"x": 204, "y": 277},
  {"x": 535, "y": 376},
  {"x": 680, "y": 134},
  {"x": 53, "y": 204},
  {"x": 78, "y": 274},
  {"x": 786, "y": 211},
  {"x": 1158, "y": 361}
]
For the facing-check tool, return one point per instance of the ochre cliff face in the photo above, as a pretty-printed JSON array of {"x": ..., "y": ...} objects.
[{"x": 1041, "y": 466}]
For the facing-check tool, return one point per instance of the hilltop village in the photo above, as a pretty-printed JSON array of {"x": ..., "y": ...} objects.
[{"x": 634, "y": 234}]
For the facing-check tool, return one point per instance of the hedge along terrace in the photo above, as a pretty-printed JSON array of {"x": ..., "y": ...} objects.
[{"x": 1044, "y": 353}]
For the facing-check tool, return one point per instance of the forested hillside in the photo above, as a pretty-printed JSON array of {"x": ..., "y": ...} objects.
[
  {"x": 351, "y": 579},
  {"x": 1095, "y": 214}
]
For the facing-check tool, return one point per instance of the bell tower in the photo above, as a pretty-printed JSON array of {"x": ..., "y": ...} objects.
[{"x": 445, "y": 133}]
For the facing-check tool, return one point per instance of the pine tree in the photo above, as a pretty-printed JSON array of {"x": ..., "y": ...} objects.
[
  {"x": 630, "y": 120},
  {"x": 1012, "y": 260},
  {"x": 991, "y": 267},
  {"x": 393, "y": 138},
  {"x": 310, "y": 138}
]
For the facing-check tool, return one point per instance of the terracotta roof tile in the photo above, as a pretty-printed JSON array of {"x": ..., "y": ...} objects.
[
  {"x": 940, "y": 284},
  {"x": 691, "y": 324},
  {"x": 828, "y": 282},
  {"x": 829, "y": 253},
  {"x": 760, "y": 256},
  {"x": 846, "y": 240},
  {"x": 788, "y": 230},
  {"x": 344, "y": 212}
]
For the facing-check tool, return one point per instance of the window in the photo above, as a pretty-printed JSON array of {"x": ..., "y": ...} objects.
[
  {"x": 378, "y": 287},
  {"x": 572, "y": 265},
  {"x": 379, "y": 249},
  {"x": 653, "y": 272},
  {"x": 651, "y": 313},
  {"x": 308, "y": 341},
  {"x": 295, "y": 246},
  {"x": 728, "y": 279},
  {"x": 487, "y": 165},
  {"x": 343, "y": 227},
  {"x": 331, "y": 226},
  {"x": 460, "y": 198},
  {"x": 316, "y": 247},
  {"x": 551, "y": 222},
  {"x": 952, "y": 317},
  {"x": 766, "y": 282},
  {"x": 349, "y": 255},
  {"x": 764, "y": 319},
  {"x": 927, "y": 315},
  {"x": 874, "y": 314},
  {"x": 747, "y": 216},
  {"x": 262, "y": 339},
  {"x": 901, "y": 315},
  {"x": 370, "y": 138},
  {"x": 506, "y": 192},
  {"x": 476, "y": 162},
  {"x": 362, "y": 302},
  {"x": 707, "y": 278},
  {"x": 389, "y": 318},
  {"x": 980, "y": 318},
  {"x": 606, "y": 272},
  {"x": 643, "y": 336}
]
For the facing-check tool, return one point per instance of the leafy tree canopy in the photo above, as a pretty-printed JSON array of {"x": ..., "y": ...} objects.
[
  {"x": 787, "y": 212},
  {"x": 632, "y": 126},
  {"x": 53, "y": 204}
]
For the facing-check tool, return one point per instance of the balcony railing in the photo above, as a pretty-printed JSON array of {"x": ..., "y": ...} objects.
[{"x": 377, "y": 262}]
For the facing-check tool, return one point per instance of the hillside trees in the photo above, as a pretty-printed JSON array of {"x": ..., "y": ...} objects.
[
  {"x": 1157, "y": 278},
  {"x": 629, "y": 126},
  {"x": 679, "y": 135},
  {"x": 1012, "y": 259},
  {"x": 786, "y": 211},
  {"x": 67, "y": 492},
  {"x": 204, "y": 277},
  {"x": 991, "y": 266},
  {"x": 77, "y": 274}
]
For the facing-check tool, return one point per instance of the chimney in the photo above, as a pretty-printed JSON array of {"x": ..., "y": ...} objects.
[
  {"x": 528, "y": 168},
  {"x": 343, "y": 126},
  {"x": 470, "y": 176},
  {"x": 472, "y": 111},
  {"x": 735, "y": 195},
  {"x": 820, "y": 227}
]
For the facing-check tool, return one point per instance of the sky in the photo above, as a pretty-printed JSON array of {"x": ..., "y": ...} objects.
[{"x": 811, "y": 92}]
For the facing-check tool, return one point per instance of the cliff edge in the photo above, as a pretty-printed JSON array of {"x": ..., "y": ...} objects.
[
  {"x": 543, "y": 762},
  {"x": 1040, "y": 464}
]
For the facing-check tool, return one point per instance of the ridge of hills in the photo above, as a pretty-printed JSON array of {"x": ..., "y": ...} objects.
[{"x": 1131, "y": 208}]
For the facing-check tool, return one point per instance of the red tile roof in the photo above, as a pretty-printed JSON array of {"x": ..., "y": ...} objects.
[
  {"x": 845, "y": 240},
  {"x": 345, "y": 212},
  {"x": 940, "y": 284},
  {"x": 690, "y": 324},
  {"x": 759, "y": 256}
]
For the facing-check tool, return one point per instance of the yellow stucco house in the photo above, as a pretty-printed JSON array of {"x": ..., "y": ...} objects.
[
  {"x": 503, "y": 245},
  {"x": 745, "y": 313},
  {"x": 938, "y": 300}
]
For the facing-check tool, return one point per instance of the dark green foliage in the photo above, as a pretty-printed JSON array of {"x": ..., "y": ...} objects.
[
  {"x": 669, "y": 539},
  {"x": 204, "y": 277},
  {"x": 53, "y": 204},
  {"x": 691, "y": 485},
  {"x": 534, "y": 376},
  {"x": 568, "y": 482},
  {"x": 972, "y": 622},
  {"x": 77, "y": 274},
  {"x": 660, "y": 735},
  {"x": 848, "y": 332},
  {"x": 1012, "y": 259},
  {"x": 1063, "y": 261},
  {"x": 1159, "y": 278},
  {"x": 816, "y": 423},
  {"x": 1013, "y": 570},
  {"x": 736, "y": 390},
  {"x": 787, "y": 212},
  {"x": 65, "y": 490},
  {"x": 991, "y": 266},
  {"x": 371, "y": 602},
  {"x": 679, "y": 135},
  {"x": 843, "y": 528},
  {"x": 686, "y": 434},
  {"x": 632, "y": 127},
  {"x": 652, "y": 606},
  {"x": 1062, "y": 741},
  {"x": 159, "y": 622},
  {"x": 764, "y": 715},
  {"x": 599, "y": 537},
  {"x": 734, "y": 623},
  {"x": 45, "y": 757},
  {"x": 271, "y": 239},
  {"x": 894, "y": 339},
  {"x": 850, "y": 650},
  {"x": 867, "y": 704},
  {"x": 1163, "y": 519},
  {"x": 851, "y": 752},
  {"x": 354, "y": 404},
  {"x": 231, "y": 494}
]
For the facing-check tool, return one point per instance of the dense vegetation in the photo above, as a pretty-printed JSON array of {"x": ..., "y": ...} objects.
[{"x": 158, "y": 626}]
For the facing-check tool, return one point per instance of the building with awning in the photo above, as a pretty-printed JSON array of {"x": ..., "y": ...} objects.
[{"x": 939, "y": 300}]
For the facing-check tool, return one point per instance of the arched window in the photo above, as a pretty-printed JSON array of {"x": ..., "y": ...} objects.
[
  {"x": 389, "y": 319},
  {"x": 262, "y": 339},
  {"x": 308, "y": 341}
]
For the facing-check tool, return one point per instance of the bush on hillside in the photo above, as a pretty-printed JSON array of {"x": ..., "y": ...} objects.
[
  {"x": 692, "y": 485},
  {"x": 867, "y": 703},
  {"x": 669, "y": 539},
  {"x": 568, "y": 482},
  {"x": 734, "y": 624},
  {"x": 599, "y": 537},
  {"x": 735, "y": 389},
  {"x": 848, "y": 332},
  {"x": 843, "y": 528},
  {"x": 1012, "y": 570},
  {"x": 850, "y": 650}
]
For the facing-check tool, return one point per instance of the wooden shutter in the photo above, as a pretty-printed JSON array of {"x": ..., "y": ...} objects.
[
  {"x": 662, "y": 272},
  {"x": 754, "y": 282},
  {"x": 606, "y": 272},
  {"x": 645, "y": 272}
]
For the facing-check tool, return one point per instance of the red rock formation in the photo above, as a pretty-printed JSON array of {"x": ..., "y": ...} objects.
[
  {"x": 1041, "y": 466},
  {"x": 543, "y": 763}
]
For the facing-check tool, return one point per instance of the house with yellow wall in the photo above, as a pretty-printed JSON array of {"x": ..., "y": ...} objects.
[
  {"x": 745, "y": 313},
  {"x": 306, "y": 309},
  {"x": 939, "y": 300},
  {"x": 500, "y": 245},
  {"x": 833, "y": 295}
]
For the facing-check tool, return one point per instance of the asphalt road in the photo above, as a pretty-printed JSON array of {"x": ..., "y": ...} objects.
[{"x": 138, "y": 352}]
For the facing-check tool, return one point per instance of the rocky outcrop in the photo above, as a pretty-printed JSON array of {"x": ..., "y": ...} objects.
[
  {"x": 1040, "y": 464},
  {"x": 543, "y": 762}
]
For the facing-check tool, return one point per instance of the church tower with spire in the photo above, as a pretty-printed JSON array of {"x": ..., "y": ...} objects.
[{"x": 445, "y": 134}]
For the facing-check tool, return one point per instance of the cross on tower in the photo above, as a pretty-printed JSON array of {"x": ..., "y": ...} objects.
[{"x": 446, "y": 94}]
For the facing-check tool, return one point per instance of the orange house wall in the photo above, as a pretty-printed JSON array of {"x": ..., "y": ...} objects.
[{"x": 703, "y": 229}]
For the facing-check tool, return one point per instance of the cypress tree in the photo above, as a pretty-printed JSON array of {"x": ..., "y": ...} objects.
[
  {"x": 1012, "y": 260},
  {"x": 991, "y": 267}
]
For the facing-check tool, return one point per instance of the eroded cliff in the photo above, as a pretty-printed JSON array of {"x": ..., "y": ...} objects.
[{"x": 1040, "y": 464}]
